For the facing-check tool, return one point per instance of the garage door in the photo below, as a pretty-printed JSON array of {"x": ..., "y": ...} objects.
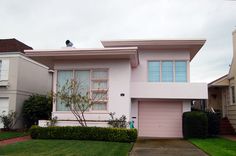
[
  {"x": 160, "y": 119},
  {"x": 4, "y": 106}
]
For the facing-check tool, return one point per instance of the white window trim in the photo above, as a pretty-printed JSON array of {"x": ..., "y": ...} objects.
[
  {"x": 86, "y": 69},
  {"x": 160, "y": 74}
]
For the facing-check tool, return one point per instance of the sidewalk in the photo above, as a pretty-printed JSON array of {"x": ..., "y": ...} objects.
[{"x": 14, "y": 140}]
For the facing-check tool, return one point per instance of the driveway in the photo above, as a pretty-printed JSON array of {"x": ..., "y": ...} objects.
[{"x": 165, "y": 147}]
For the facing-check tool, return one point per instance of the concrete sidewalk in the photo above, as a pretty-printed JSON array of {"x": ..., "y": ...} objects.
[{"x": 165, "y": 147}]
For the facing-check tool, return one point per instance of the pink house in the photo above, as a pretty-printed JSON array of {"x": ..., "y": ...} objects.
[{"x": 148, "y": 81}]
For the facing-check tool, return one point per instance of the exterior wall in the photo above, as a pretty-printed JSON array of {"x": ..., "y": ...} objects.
[
  {"x": 119, "y": 72},
  {"x": 33, "y": 77},
  {"x": 25, "y": 77},
  {"x": 169, "y": 90},
  {"x": 232, "y": 115},
  {"x": 140, "y": 74},
  {"x": 141, "y": 88}
]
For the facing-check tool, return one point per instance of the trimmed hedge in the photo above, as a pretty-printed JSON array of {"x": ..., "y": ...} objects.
[
  {"x": 195, "y": 124},
  {"x": 36, "y": 107},
  {"x": 84, "y": 133}
]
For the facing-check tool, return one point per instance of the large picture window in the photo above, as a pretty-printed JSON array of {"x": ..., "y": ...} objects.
[
  {"x": 167, "y": 71},
  {"x": 94, "y": 82}
]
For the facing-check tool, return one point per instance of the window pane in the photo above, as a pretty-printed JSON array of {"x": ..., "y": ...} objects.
[
  {"x": 62, "y": 78},
  {"x": 167, "y": 71},
  {"x": 83, "y": 79},
  {"x": 154, "y": 71},
  {"x": 99, "y": 106},
  {"x": 99, "y": 85},
  {"x": 99, "y": 96},
  {"x": 181, "y": 71},
  {"x": 99, "y": 74}
]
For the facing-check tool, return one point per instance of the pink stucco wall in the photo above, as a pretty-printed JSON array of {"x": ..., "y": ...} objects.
[{"x": 118, "y": 82}]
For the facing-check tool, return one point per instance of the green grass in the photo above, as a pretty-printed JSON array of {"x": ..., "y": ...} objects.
[
  {"x": 66, "y": 147},
  {"x": 216, "y": 146},
  {"x": 8, "y": 135}
]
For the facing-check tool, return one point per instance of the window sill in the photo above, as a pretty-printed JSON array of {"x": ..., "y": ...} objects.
[
  {"x": 4, "y": 83},
  {"x": 91, "y": 112}
]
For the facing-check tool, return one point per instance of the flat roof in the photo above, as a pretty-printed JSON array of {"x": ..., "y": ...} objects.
[
  {"x": 47, "y": 57},
  {"x": 191, "y": 45}
]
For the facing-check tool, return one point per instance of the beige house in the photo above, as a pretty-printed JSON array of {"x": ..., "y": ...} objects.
[
  {"x": 221, "y": 92},
  {"x": 20, "y": 77}
]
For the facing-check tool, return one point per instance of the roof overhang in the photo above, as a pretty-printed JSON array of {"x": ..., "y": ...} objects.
[
  {"x": 220, "y": 82},
  {"x": 48, "y": 57},
  {"x": 193, "y": 46}
]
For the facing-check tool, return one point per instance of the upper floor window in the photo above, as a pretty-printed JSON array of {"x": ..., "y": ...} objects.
[
  {"x": 4, "y": 69},
  {"x": 92, "y": 81},
  {"x": 167, "y": 71}
]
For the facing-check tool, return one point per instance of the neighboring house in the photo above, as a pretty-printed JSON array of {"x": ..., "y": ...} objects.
[
  {"x": 222, "y": 91},
  {"x": 148, "y": 81},
  {"x": 20, "y": 77}
]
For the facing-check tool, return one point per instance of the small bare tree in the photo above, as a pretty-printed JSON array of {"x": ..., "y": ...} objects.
[{"x": 75, "y": 96}]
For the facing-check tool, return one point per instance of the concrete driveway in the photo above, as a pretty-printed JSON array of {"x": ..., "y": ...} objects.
[{"x": 165, "y": 147}]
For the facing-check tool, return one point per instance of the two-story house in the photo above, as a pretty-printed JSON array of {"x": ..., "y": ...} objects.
[
  {"x": 20, "y": 77},
  {"x": 147, "y": 80}
]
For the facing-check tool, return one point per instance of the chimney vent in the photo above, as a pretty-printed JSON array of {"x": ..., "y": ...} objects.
[{"x": 69, "y": 43}]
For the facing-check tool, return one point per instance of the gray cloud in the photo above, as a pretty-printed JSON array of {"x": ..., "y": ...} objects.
[{"x": 48, "y": 23}]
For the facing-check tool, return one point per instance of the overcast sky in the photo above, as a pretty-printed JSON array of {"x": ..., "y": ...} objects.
[{"x": 46, "y": 24}]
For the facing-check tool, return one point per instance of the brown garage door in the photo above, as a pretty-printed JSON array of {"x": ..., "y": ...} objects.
[{"x": 160, "y": 119}]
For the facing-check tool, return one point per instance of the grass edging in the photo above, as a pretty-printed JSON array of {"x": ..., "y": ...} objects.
[
  {"x": 215, "y": 146},
  {"x": 198, "y": 147}
]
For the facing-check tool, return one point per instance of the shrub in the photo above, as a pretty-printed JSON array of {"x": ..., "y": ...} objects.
[
  {"x": 84, "y": 133},
  {"x": 195, "y": 124},
  {"x": 117, "y": 122},
  {"x": 213, "y": 123},
  {"x": 8, "y": 120},
  {"x": 35, "y": 108}
]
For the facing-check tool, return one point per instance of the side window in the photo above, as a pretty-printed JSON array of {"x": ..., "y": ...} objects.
[
  {"x": 233, "y": 94},
  {"x": 4, "y": 69},
  {"x": 154, "y": 71}
]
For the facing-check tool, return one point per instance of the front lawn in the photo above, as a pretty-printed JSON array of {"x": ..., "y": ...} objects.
[
  {"x": 216, "y": 146},
  {"x": 8, "y": 135},
  {"x": 66, "y": 147}
]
